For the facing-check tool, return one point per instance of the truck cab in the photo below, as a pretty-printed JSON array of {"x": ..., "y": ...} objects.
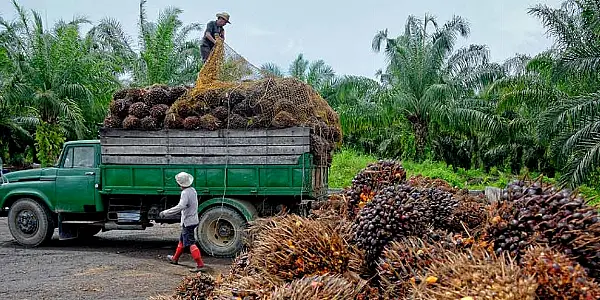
[
  {"x": 122, "y": 182},
  {"x": 34, "y": 199}
]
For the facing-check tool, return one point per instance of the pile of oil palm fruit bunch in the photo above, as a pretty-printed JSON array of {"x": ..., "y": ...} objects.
[
  {"x": 421, "y": 238},
  {"x": 218, "y": 101}
]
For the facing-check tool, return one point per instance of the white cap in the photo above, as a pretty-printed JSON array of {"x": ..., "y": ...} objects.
[{"x": 184, "y": 179}]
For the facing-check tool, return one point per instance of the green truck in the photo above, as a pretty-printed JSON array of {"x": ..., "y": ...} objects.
[{"x": 123, "y": 180}]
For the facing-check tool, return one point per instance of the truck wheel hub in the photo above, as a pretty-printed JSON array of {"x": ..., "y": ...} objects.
[
  {"x": 27, "y": 222},
  {"x": 225, "y": 229}
]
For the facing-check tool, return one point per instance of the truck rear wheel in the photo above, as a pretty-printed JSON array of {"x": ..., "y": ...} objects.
[
  {"x": 30, "y": 223},
  {"x": 220, "y": 231}
]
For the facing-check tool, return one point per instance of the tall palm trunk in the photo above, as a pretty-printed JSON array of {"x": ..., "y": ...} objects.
[{"x": 421, "y": 131}]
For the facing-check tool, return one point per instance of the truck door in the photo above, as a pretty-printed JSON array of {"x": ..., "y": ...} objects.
[{"x": 76, "y": 180}]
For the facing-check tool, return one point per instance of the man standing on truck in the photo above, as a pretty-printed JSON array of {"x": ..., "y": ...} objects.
[
  {"x": 188, "y": 206},
  {"x": 213, "y": 28}
]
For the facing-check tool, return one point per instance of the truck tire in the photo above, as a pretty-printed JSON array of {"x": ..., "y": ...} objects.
[
  {"x": 220, "y": 230},
  {"x": 30, "y": 223}
]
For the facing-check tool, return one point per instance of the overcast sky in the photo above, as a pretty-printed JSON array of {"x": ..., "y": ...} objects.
[{"x": 339, "y": 32}]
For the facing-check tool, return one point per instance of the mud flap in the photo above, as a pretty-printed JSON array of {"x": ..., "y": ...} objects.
[{"x": 66, "y": 231}]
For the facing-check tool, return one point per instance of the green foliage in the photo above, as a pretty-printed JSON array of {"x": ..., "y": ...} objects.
[
  {"x": 345, "y": 165},
  {"x": 48, "y": 140}
]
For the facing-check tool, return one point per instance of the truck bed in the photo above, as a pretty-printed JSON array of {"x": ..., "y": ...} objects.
[{"x": 262, "y": 162}]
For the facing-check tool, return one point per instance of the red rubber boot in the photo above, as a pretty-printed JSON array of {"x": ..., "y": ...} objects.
[
  {"x": 174, "y": 259},
  {"x": 197, "y": 257}
]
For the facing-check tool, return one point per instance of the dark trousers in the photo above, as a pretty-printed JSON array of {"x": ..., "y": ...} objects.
[
  {"x": 205, "y": 52},
  {"x": 187, "y": 235}
]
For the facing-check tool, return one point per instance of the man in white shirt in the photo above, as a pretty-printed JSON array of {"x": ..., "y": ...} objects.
[{"x": 188, "y": 206}]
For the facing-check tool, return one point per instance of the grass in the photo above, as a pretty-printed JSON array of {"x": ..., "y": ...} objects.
[{"x": 347, "y": 163}]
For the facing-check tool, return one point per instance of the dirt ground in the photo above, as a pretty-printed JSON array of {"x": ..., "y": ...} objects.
[{"x": 112, "y": 265}]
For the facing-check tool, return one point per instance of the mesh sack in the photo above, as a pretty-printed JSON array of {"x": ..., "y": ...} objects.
[{"x": 260, "y": 100}]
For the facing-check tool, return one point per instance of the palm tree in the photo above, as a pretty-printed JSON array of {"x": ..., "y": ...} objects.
[
  {"x": 317, "y": 73},
  {"x": 57, "y": 76},
  {"x": 423, "y": 74},
  {"x": 572, "y": 121},
  {"x": 166, "y": 54}
]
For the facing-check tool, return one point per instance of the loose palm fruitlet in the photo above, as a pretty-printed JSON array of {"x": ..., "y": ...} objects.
[
  {"x": 474, "y": 275},
  {"x": 396, "y": 212},
  {"x": 139, "y": 110},
  {"x": 292, "y": 247},
  {"x": 558, "y": 276},
  {"x": 196, "y": 287},
  {"x": 318, "y": 288},
  {"x": 558, "y": 219},
  {"x": 370, "y": 180}
]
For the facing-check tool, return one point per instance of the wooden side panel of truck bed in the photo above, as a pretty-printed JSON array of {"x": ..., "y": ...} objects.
[{"x": 275, "y": 162}]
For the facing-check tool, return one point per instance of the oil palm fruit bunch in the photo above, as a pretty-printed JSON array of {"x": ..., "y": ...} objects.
[
  {"x": 120, "y": 107},
  {"x": 173, "y": 121},
  {"x": 175, "y": 92},
  {"x": 292, "y": 247},
  {"x": 256, "y": 286},
  {"x": 199, "y": 286},
  {"x": 132, "y": 94},
  {"x": 396, "y": 212},
  {"x": 131, "y": 122},
  {"x": 220, "y": 112},
  {"x": 156, "y": 95},
  {"x": 469, "y": 215},
  {"x": 403, "y": 262},
  {"x": 426, "y": 182},
  {"x": 209, "y": 122},
  {"x": 558, "y": 276},
  {"x": 443, "y": 205},
  {"x": 236, "y": 121},
  {"x": 284, "y": 119},
  {"x": 474, "y": 275},
  {"x": 191, "y": 123},
  {"x": 139, "y": 110},
  {"x": 159, "y": 112},
  {"x": 149, "y": 123},
  {"x": 112, "y": 121},
  {"x": 318, "y": 287},
  {"x": 369, "y": 181},
  {"x": 560, "y": 220}
]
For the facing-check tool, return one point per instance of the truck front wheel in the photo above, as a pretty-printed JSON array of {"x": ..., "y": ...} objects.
[
  {"x": 30, "y": 223},
  {"x": 220, "y": 231}
]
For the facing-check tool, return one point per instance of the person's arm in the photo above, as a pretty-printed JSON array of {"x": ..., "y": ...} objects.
[
  {"x": 183, "y": 203},
  {"x": 223, "y": 34},
  {"x": 209, "y": 37},
  {"x": 210, "y": 28}
]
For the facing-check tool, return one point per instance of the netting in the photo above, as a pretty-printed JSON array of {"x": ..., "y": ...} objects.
[{"x": 230, "y": 93}]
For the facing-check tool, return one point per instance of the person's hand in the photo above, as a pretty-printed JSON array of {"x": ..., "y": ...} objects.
[{"x": 161, "y": 214}]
